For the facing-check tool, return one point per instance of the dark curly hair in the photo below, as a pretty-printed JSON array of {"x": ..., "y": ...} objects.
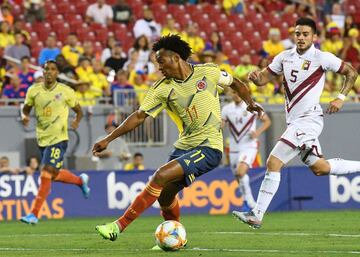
[
  {"x": 173, "y": 43},
  {"x": 304, "y": 21}
]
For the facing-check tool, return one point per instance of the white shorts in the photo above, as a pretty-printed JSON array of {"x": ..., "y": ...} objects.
[
  {"x": 246, "y": 155},
  {"x": 300, "y": 138}
]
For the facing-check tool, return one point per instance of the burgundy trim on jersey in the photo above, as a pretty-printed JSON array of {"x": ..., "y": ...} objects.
[
  {"x": 341, "y": 67},
  {"x": 237, "y": 134},
  {"x": 287, "y": 142},
  {"x": 307, "y": 85},
  {"x": 271, "y": 71}
]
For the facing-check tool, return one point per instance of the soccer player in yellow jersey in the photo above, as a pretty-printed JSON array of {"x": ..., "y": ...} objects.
[
  {"x": 51, "y": 101},
  {"x": 189, "y": 93}
]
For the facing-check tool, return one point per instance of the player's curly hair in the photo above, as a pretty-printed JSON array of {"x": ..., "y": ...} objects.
[
  {"x": 307, "y": 22},
  {"x": 173, "y": 43}
]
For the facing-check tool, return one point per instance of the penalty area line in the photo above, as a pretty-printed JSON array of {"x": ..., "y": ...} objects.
[{"x": 284, "y": 234}]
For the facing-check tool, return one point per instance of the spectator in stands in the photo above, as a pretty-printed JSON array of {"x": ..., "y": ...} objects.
[
  {"x": 116, "y": 153},
  {"x": 5, "y": 166},
  {"x": 351, "y": 50},
  {"x": 19, "y": 49},
  {"x": 86, "y": 94},
  {"x": 234, "y": 6},
  {"x": 223, "y": 62},
  {"x": 88, "y": 50},
  {"x": 336, "y": 16},
  {"x": 129, "y": 65},
  {"x": 116, "y": 61},
  {"x": 244, "y": 68},
  {"x": 72, "y": 51},
  {"x": 35, "y": 10},
  {"x": 26, "y": 74},
  {"x": 98, "y": 79},
  {"x": 6, "y": 37},
  {"x": 106, "y": 53},
  {"x": 2, "y": 69},
  {"x": 14, "y": 90},
  {"x": 290, "y": 41},
  {"x": 142, "y": 47},
  {"x": 39, "y": 76},
  {"x": 122, "y": 12},
  {"x": 84, "y": 69},
  {"x": 18, "y": 27},
  {"x": 100, "y": 13},
  {"x": 121, "y": 82},
  {"x": 136, "y": 164},
  {"x": 333, "y": 42},
  {"x": 349, "y": 24},
  {"x": 65, "y": 68},
  {"x": 138, "y": 81},
  {"x": 191, "y": 36},
  {"x": 214, "y": 43},
  {"x": 273, "y": 45},
  {"x": 32, "y": 165},
  {"x": 6, "y": 14},
  {"x": 170, "y": 26},
  {"x": 50, "y": 51},
  {"x": 147, "y": 26}
]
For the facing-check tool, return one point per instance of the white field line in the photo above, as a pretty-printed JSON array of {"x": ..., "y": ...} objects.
[
  {"x": 189, "y": 249},
  {"x": 284, "y": 234}
]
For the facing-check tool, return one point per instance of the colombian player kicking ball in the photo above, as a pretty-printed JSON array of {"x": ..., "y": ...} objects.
[{"x": 189, "y": 93}]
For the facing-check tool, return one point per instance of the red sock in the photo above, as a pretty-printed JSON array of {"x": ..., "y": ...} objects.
[
  {"x": 144, "y": 200},
  {"x": 43, "y": 192},
  {"x": 171, "y": 212},
  {"x": 66, "y": 176}
]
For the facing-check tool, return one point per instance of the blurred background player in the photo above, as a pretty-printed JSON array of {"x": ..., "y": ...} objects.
[
  {"x": 190, "y": 94},
  {"x": 52, "y": 101},
  {"x": 304, "y": 77},
  {"x": 243, "y": 143}
]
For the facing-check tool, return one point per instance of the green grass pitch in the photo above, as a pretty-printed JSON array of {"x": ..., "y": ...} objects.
[{"x": 334, "y": 233}]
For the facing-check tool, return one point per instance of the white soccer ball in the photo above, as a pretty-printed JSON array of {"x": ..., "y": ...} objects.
[{"x": 170, "y": 235}]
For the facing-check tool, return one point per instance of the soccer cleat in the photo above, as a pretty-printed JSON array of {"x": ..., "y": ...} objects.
[
  {"x": 85, "y": 187},
  {"x": 156, "y": 248},
  {"x": 248, "y": 218},
  {"x": 30, "y": 219},
  {"x": 108, "y": 231}
]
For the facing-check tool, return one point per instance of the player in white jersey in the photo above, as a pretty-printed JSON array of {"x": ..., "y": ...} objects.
[
  {"x": 304, "y": 76},
  {"x": 243, "y": 142}
]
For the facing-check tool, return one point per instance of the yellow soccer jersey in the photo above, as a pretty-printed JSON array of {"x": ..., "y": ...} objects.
[
  {"x": 193, "y": 104},
  {"x": 51, "y": 111}
]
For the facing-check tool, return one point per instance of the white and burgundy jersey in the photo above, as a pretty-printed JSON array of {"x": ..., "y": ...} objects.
[
  {"x": 240, "y": 123},
  {"x": 304, "y": 79}
]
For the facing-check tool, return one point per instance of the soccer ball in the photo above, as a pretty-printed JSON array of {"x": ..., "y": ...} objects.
[{"x": 170, "y": 235}]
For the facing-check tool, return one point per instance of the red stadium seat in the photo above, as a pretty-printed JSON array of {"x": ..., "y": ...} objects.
[{"x": 102, "y": 35}]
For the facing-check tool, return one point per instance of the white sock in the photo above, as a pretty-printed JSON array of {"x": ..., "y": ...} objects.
[
  {"x": 245, "y": 190},
  {"x": 268, "y": 188},
  {"x": 341, "y": 167}
]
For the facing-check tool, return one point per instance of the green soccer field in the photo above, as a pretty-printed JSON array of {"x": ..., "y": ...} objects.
[{"x": 283, "y": 234}]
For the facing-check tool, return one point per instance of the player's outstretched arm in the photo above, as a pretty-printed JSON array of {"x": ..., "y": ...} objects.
[
  {"x": 130, "y": 123},
  {"x": 244, "y": 92},
  {"x": 265, "y": 124},
  {"x": 79, "y": 114},
  {"x": 25, "y": 116},
  {"x": 350, "y": 77},
  {"x": 260, "y": 78}
]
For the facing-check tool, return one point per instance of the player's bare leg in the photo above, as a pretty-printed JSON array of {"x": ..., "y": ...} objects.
[
  {"x": 244, "y": 185},
  {"x": 335, "y": 167},
  {"x": 170, "y": 172},
  {"x": 268, "y": 188}
]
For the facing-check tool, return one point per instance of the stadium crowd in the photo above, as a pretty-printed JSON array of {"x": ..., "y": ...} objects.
[{"x": 102, "y": 46}]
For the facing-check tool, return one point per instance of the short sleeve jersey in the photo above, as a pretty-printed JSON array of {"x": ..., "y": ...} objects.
[
  {"x": 193, "y": 104},
  {"x": 240, "y": 122},
  {"x": 51, "y": 111},
  {"x": 304, "y": 79}
]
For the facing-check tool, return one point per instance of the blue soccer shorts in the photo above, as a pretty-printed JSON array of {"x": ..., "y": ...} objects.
[
  {"x": 196, "y": 161},
  {"x": 53, "y": 155}
]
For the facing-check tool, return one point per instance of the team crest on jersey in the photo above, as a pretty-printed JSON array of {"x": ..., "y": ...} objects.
[
  {"x": 201, "y": 85},
  {"x": 306, "y": 65},
  {"x": 58, "y": 97}
]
